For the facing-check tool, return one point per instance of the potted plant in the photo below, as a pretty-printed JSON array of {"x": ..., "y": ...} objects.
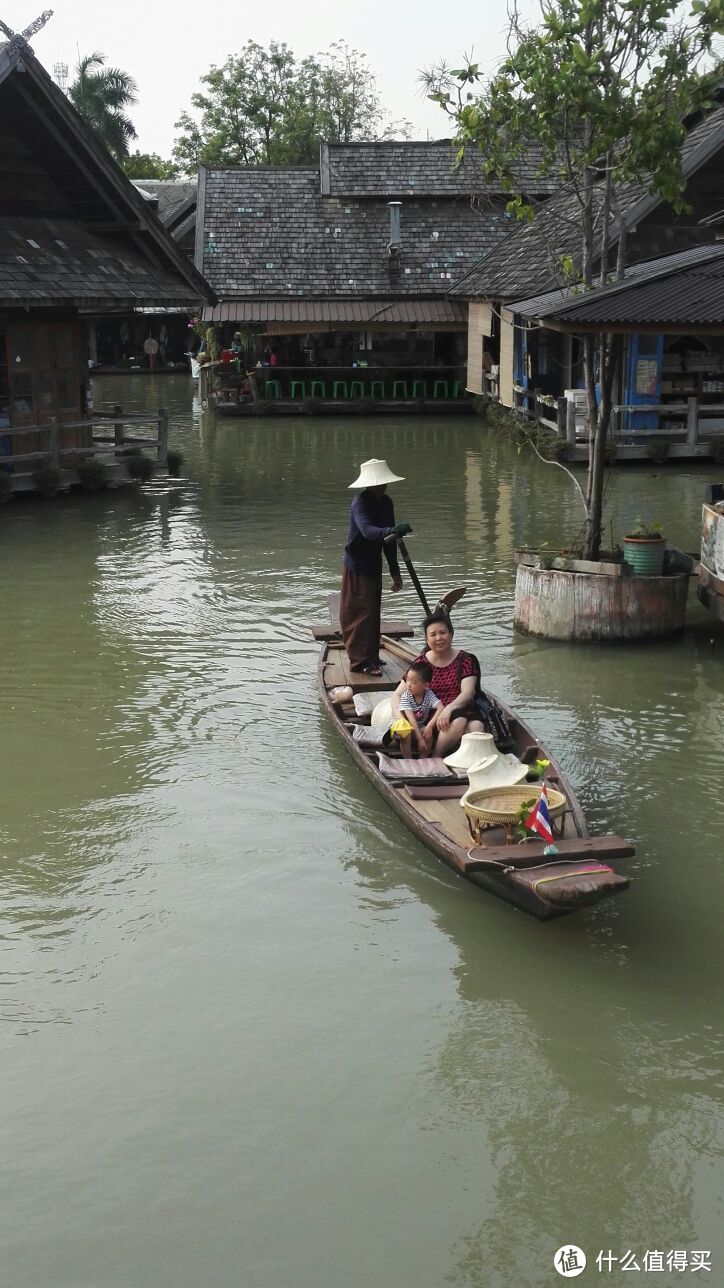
[{"x": 643, "y": 548}]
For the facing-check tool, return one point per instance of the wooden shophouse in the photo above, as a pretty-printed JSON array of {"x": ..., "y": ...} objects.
[
  {"x": 339, "y": 274},
  {"x": 77, "y": 240},
  {"x": 534, "y": 366},
  {"x": 116, "y": 344}
]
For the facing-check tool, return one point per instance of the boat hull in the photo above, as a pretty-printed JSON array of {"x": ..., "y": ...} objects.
[{"x": 522, "y": 876}]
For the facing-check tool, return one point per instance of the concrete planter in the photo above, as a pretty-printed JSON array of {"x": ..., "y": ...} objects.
[{"x": 556, "y": 605}]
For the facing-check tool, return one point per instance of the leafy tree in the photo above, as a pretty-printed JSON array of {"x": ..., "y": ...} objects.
[
  {"x": 601, "y": 88},
  {"x": 148, "y": 165},
  {"x": 101, "y": 95},
  {"x": 266, "y": 107}
]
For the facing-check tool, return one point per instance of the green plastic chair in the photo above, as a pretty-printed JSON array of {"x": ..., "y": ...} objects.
[
  {"x": 337, "y": 385},
  {"x": 273, "y": 389},
  {"x": 357, "y": 389},
  {"x": 419, "y": 389},
  {"x": 458, "y": 389},
  {"x": 441, "y": 385},
  {"x": 298, "y": 385},
  {"x": 377, "y": 388},
  {"x": 399, "y": 384},
  {"x": 319, "y": 389}
]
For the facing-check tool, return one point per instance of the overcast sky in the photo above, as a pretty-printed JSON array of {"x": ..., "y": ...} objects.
[{"x": 168, "y": 46}]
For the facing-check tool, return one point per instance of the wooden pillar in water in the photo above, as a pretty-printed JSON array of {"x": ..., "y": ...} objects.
[
  {"x": 119, "y": 433},
  {"x": 163, "y": 436},
  {"x": 692, "y": 422},
  {"x": 571, "y": 423},
  {"x": 53, "y": 443}
]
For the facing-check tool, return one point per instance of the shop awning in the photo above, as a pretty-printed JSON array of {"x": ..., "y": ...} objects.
[{"x": 341, "y": 313}]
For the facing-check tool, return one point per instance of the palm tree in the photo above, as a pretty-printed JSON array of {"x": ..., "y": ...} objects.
[{"x": 100, "y": 94}]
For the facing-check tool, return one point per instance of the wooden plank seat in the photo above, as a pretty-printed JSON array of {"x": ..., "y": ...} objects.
[{"x": 442, "y": 792}]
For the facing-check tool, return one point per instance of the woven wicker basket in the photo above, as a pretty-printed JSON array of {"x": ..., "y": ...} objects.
[{"x": 499, "y": 806}]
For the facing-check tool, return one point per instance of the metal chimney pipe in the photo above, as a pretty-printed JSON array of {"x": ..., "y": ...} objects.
[{"x": 394, "y": 208}]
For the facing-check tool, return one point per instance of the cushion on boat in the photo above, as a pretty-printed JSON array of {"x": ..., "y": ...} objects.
[
  {"x": 407, "y": 767},
  {"x": 367, "y": 735},
  {"x": 365, "y": 703}
]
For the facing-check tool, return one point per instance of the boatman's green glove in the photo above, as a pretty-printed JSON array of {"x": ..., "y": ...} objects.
[{"x": 400, "y": 530}]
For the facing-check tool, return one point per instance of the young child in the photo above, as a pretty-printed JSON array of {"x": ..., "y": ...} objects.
[{"x": 420, "y": 707}]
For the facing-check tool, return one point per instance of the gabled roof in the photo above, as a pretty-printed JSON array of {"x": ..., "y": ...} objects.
[
  {"x": 686, "y": 289},
  {"x": 174, "y": 198},
  {"x": 528, "y": 260},
  {"x": 56, "y": 171},
  {"x": 269, "y": 232},
  {"x": 423, "y": 169}
]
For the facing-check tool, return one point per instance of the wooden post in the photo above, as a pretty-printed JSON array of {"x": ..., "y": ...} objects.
[
  {"x": 570, "y": 423},
  {"x": 163, "y": 436},
  {"x": 692, "y": 422},
  {"x": 119, "y": 432},
  {"x": 53, "y": 444},
  {"x": 561, "y": 416}
]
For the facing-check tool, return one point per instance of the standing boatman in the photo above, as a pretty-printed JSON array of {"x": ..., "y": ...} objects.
[{"x": 372, "y": 518}]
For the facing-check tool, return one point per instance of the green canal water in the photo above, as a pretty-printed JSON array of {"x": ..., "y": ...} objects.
[{"x": 253, "y": 1034}]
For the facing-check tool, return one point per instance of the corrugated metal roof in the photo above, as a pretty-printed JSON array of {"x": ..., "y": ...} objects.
[
  {"x": 549, "y": 303},
  {"x": 677, "y": 290},
  {"x": 357, "y": 312}
]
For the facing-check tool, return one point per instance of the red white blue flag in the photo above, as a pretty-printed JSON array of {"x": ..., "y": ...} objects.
[{"x": 539, "y": 820}]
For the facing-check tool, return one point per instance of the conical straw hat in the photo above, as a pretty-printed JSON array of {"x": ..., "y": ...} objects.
[
  {"x": 497, "y": 771},
  {"x": 473, "y": 748},
  {"x": 373, "y": 473}
]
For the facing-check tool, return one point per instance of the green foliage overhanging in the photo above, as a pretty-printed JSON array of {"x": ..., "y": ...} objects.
[{"x": 599, "y": 92}]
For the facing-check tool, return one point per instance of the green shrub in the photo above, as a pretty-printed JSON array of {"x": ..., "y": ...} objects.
[
  {"x": 92, "y": 474},
  {"x": 47, "y": 480},
  {"x": 175, "y": 463},
  {"x": 657, "y": 449},
  {"x": 139, "y": 466}
]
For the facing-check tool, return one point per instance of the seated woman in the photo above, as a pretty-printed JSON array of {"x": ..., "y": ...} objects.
[{"x": 455, "y": 681}]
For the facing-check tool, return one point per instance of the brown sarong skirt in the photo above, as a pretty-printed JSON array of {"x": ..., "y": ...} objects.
[{"x": 359, "y": 616}]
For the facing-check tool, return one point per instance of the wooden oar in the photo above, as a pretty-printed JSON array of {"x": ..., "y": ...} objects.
[
  {"x": 445, "y": 602},
  {"x": 413, "y": 575}
]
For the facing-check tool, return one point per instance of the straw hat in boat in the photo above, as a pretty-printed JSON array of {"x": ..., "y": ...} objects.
[
  {"x": 473, "y": 748},
  {"x": 373, "y": 473},
  {"x": 497, "y": 771}
]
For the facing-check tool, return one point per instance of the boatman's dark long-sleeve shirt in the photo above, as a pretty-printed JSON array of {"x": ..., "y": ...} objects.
[{"x": 371, "y": 517}]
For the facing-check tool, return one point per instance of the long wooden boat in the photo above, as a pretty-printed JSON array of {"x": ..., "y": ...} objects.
[{"x": 578, "y": 876}]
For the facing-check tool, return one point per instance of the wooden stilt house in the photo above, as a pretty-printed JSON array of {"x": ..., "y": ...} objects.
[{"x": 76, "y": 240}]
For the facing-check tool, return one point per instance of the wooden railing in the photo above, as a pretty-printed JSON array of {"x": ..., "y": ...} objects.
[
  {"x": 560, "y": 415},
  {"x": 120, "y": 443}
]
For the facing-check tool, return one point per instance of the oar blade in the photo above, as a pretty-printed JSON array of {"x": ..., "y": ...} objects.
[{"x": 451, "y": 597}]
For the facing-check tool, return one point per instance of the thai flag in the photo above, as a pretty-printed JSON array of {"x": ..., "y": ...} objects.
[{"x": 539, "y": 820}]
